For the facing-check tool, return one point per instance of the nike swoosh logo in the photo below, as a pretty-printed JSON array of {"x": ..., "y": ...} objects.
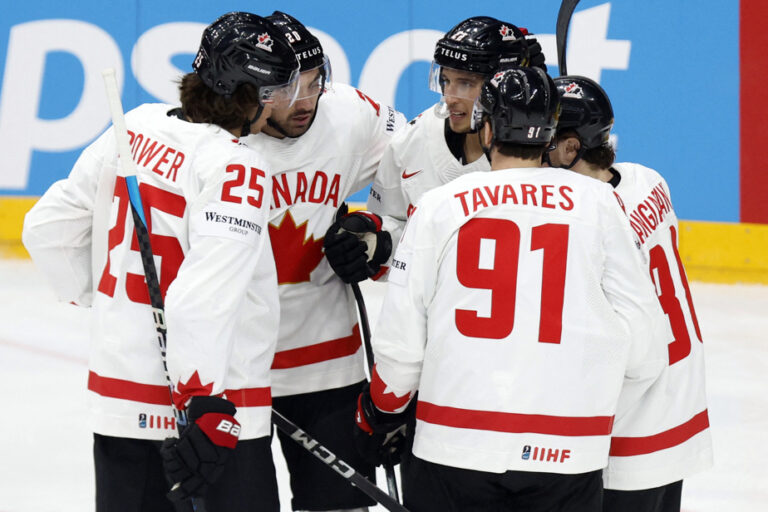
[{"x": 406, "y": 175}]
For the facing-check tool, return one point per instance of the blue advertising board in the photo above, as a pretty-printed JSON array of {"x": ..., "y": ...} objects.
[{"x": 671, "y": 69}]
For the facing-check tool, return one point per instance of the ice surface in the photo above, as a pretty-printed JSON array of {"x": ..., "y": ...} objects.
[{"x": 45, "y": 446}]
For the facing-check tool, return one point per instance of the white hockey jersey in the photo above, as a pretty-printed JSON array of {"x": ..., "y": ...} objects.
[
  {"x": 517, "y": 306},
  {"x": 319, "y": 344},
  {"x": 665, "y": 437},
  {"x": 206, "y": 201},
  {"x": 417, "y": 160}
]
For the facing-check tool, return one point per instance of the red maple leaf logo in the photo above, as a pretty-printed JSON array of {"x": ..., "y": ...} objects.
[
  {"x": 504, "y": 30},
  {"x": 193, "y": 387},
  {"x": 295, "y": 255}
]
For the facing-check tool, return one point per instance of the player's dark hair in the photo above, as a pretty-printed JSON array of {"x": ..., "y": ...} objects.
[
  {"x": 201, "y": 105},
  {"x": 526, "y": 151},
  {"x": 602, "y": 156}
]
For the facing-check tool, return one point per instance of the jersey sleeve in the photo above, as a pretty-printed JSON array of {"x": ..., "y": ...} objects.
[
  {"x": 57, "y": 230},
  {"x": 400, "y": 339},
  {"x": 630, "y": 292},
  {"x": 376, "y": 124},
  {"x": 386, "y": 198},
  {"x": 204, "y": 304}
]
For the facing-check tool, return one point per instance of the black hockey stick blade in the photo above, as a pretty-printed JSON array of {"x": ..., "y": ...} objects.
[
  {"x": 332, "y": 461},
  {"x": 561, "y": 35}
]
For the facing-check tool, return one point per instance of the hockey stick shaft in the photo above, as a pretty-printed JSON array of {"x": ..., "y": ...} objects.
[
  {"x": 128, "y": 166},
  {"x": 389, "y": 469},
  {"x": 561, "y": 34},
  {"x": 339, "y": 466}
]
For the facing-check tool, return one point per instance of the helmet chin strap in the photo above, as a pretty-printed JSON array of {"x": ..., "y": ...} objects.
[
  {"x": 246, "y": 129},
  {"x": 578, "y": 156}
]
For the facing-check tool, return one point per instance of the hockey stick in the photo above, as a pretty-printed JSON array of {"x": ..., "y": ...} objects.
[
  {"x": 129, "y": 169},
  {"x": 561, "y": 34},
  {"x": 332, "y": 461},
  {"x": 389, "y": 469}
]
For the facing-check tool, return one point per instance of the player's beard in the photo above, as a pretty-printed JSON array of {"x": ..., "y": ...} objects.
[{"x": 297, "y": 132}]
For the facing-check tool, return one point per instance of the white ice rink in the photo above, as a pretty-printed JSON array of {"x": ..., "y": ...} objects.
[{"x": 45, "y": 445}]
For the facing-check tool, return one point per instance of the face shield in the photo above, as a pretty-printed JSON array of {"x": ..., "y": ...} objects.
[
  {"x": 315, "y": 81},
  {"x": 281, "y": 95},
  {"x": 453, "y": 83},
  {"x": 478, "y": 116}
]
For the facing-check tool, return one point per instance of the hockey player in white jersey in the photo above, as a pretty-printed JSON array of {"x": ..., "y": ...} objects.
[
  {"x": 439, "y": 145},
  {"x": 322, "y": 149},
  {"x": 206, "y": 202},
  {"x": 665, "y": 437},
  {"x": 514, "y": 305}
]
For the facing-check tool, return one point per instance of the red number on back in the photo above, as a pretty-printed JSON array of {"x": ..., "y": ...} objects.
[
  {"x": 501, "y": 278},
  {"x": 661, "y": 275},
  {"x": 167, "y": 248}
]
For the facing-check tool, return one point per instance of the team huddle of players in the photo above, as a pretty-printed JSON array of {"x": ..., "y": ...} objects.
[{"x": 537, "y": 348}]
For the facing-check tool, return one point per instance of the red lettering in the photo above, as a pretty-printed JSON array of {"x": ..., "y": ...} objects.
[
  {"x": 478, "y": 199},
  {"x": 569, "y": 204},
  {"x": 546, "y": 193},
  {"x": 375, "y": 105},
  {"x": 535, "y": 452},
  {"x": 163, "y": 160},
  {"x": 333, "y": 192},
  {"x": 565, "y": 454},
  {"x": 280, "y": 187},
  {"x": 170, "y": 422},
  {"x": 148, "y": 152},
  {"x": 410, "y": 211},
  {"x": 461, "y": 198},
  {"x": 552, "y": 455},
  {"x": 509, "y": 192},
  {"x": 529, "y": 191},
  {"x": 317, "y": 189},
  {"x": 493, "y": 196},
  {"x": 301, "y": 188},
  {"x": 175, "y": 166}
]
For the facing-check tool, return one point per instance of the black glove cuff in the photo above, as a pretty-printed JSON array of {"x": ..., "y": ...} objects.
[{"x": 199, "y": 405}]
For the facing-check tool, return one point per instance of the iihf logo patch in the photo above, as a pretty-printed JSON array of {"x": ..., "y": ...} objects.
[
  {"x": 526, "y": 452},
  {"x": 573, "y": 90},
  {"x": 142, "y": 420},
  {"x": 507, "y": 34},
  {"x": 265, "y": 42}
]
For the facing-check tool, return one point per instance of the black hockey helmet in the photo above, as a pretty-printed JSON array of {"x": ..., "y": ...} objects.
[
  {"x": 307, "y": 47},
  {"x": 479, "y": 44},
  {"x": 521, "y": 104},
  {"x": 586, "y": 110},
  {"x": 240, "y": 48}
]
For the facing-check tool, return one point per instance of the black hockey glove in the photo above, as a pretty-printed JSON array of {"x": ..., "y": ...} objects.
[
  {"x": 355, "y": 245},
  {"x": 536, "y": 58},
  {"x": 196, "y": 459},
  {"x": 382, "y": 437}
]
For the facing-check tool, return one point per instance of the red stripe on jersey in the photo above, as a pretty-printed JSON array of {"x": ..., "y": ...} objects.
[
  {"x": 514, "y": 423},
  {"x": 318, "y": 352},
  {"x": 386, "y": 401},
  {"x": 158, "y": 395},
  {"x": 628, "y": 446},
  {"x": 250, "y": 397},
  {"x": 127, "y": 390}
]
